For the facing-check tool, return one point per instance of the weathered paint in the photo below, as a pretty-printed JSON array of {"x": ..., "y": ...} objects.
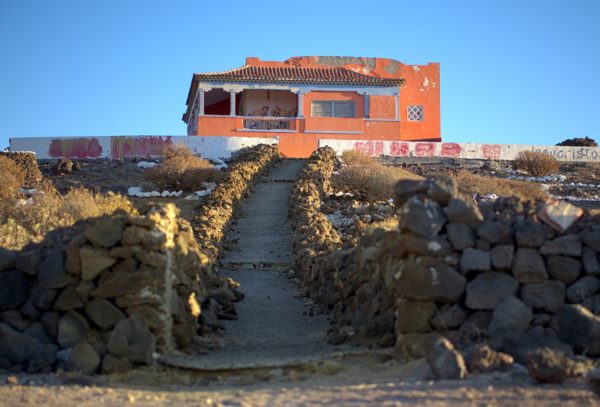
[
  {"x": 118, "y": 147},
  {"x": 387, "y": 118},
  {"x": 460, "y": 150}
]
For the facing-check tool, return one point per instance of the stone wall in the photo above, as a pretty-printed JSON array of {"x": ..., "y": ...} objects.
[{"x": 27, "y": 161}]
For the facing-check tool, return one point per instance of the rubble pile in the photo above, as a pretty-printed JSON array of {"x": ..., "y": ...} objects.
[
  {"x": 106, "y": 294},
  {"x": 26, "y": 160},
  {"x": 216, "y": 213}
]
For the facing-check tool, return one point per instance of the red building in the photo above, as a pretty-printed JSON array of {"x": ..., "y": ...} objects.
[{"x": 304, "y": 99}]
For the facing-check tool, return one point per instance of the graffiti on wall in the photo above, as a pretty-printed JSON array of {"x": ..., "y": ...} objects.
[
  {"x": 84, "y": 147},
  {"x": 269, "y": 124},
  {"x": 138, "y": 146}
]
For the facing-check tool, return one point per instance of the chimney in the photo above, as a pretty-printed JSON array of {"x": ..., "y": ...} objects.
[{"x": 252, "y": 60}]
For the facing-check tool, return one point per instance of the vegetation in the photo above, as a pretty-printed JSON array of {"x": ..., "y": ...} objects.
[
  {"x": 181, "y": 170},
  {"x": 470, "y": 184},
  {"x": 536, "y": 164},
  {"x": 365, "y": 176},
  {"x": 13, "y": 178}
]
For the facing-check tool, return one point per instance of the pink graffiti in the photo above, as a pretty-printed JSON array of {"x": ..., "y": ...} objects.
[
  {"x": 138, "y": 146},
  {"x": 451, "y": 149},
  {"x": 399, "y": 149},
  {"x": 424, "y": 149},
  {"x": 491, "y": 151},
  {"x": 85, "y": 147},
  {"x": 370, "y": 148}
]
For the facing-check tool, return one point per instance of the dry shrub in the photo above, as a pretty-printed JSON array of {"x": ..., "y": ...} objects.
[
  {"x": 23, "y": 222},
  {"x": 181, "y": 170},
  {"x": 536, "y": 164},
  {"x": 351, "y": 157},
  {"x": 478, "y": 184},
  {"x": 374, "y": 182},
  {"x": 13, "y": 178}
]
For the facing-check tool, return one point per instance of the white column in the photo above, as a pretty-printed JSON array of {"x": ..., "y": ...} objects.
[
  {"x": 300, "y": 104},
  {"x": 231, "y": 103},
  {"x": 201, "y": 103},
  {"x": 397, "y": 99}
]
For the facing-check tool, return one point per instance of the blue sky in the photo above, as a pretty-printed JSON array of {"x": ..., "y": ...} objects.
[{"x": 511, "y": 71}]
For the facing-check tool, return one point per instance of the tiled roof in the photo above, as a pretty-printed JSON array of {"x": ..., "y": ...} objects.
[{"x": 296, "y": 74}]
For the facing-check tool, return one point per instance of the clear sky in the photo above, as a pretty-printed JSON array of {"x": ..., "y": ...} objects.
[{"x": 524, "y": 71}]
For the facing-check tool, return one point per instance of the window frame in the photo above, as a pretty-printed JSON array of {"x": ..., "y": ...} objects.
[
  {"x": 333, "y": 103},
  {"x": 421, "y": 113}
]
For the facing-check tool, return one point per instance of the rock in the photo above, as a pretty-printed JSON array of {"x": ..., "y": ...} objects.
[
  {"x": 125, "y": 252},
  {"x": 30, "y": 311},
  {"x": 436, "y": 246},
  {"x": 494, "y": 231},
  {"x": 413, "y": 316},
  {"x": 591, "y": 238},
  {"x": 502, "y": 257},
  {"x": 49, "y": 321},
  {"x": 422, "y": 216},
  {"x": 512, "y": 316},
  {"x": 152, "y": 259},
  {"x": 42, "y": 358},
  {"x": 43, "y": 298},
  {"x": 14, "y": 290},
  {"x": 51, "y": 271},
  {"x": 406, "y": 189},
  {"x": 591, "y": 265},
  {"x": 126, "y": 266},
  {"x": 528, "y": 266},
  {"x": 446, "y": 363},
  {"x": 439, "y": 283},
  {"x": 568, "y": 245},
  {"x": 548, "y": 295},
  {"x": 84, "y": 289},
  {"x": 7, "y": 259},
  {"x": 82, "y": 358},
  {"x": 68, "y": 300},
  {"x": 131, "y": 340},
  {"x": 565, "y": 269},
  {"x": 152, "y": 317},
  {"x": 579, "y": 328},
  {"x": 149, "y": 239},
  {"x": 120, "y": 284},
  {"x": 106, "y": 231},
  {"x": 460, "y": 235},
  {"x": 15, "y": 346},
  {"x": 14, "y": 319},
  {"x": 94, "y": 261},
  {"x": 529, "y": 234},
  {"x": 449, "y": 317},
  {"x": 442, "y": 188},
  {"x": 488, "y": 290},
  {"x": 104, "y": 314},
  {"x": 73, "y": 262},
  {"x": 481, "y": 358},
  {"x": 414, "y": 345},
  {"x": 112, "y": 365},
  {"x": 583, "y": 288},
  {"x": 475, "y": 260},
  {"x": 548, "y": 366},
  {"x": 28, "y": 261},
  {"x": 462, "y": 211},
  {"x": 72, "y": 329},
  {"x": 37, "y": 332},
  {"x": 559, "y": 215},
  {"x": 476, "y": 326}
]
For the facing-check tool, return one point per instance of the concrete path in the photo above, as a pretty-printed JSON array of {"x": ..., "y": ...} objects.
[{"x": 273, "y": 328}]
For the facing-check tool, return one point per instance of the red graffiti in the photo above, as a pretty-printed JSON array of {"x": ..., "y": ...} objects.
[
  {"x": 491, "y": 151},
  {"x": 399, "y": 149},
  {"x": 424, "y": 149},
  {"x": 370, "y": 148},
  {"x": 451, "y": 149},
  {"x": 138, "y": 146},
  {"x": 86, "y": 147}
]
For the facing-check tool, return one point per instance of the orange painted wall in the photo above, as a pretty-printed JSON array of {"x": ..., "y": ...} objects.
[{"x": 382, "y": 107}]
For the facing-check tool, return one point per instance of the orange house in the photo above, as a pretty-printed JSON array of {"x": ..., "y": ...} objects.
[{"x": 305, "y": 99}]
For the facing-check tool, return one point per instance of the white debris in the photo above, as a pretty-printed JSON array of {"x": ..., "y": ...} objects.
[
  {"x": 28, "y": 192},
  {"x": 165, "y": 194},
  {"x": 134, "y": 191},
  {"x": 146, "y": 164},
  {"x": 192, "y": 197},
  {"x": 155, "y": 193},
  {"x": 205, "y": 192}
]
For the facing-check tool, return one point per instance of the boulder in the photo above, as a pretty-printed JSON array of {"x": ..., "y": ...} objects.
[
  {"x": 15, "y": 346},
  {"x": 528, "y": 266},
  {"x": 82, "y": 358},
  {"x": 28, "y": 261},
  {"x": 591, "y": 238},
  {"x": 435, "y": 246},
  {"x": 131, "y": 340},
  {"x": 422, "y": 282},
  {"x": 119, "y": 284},
  {"x": 149, "y": 239},
  {"x": 42, "y": 297},
  {"x": 487, "y": 290},
  {"x": 15, "y": 319},
  {"x": 103, "y": 313},
  {"x": 72, "y": 329},
  {"x": 568, "y": 245},
  {"x": 591, "y": 265},
  {"x": 413, "y": 316},
  {"x": 408, "y": 188},
  {"x": 548, "y": 366},
  {"x": 49, "y": 321},
  {"x": 481, "y": 358},
  {"x": 14, "y": 290},
  {"x": 112, "y": 365},
  {"x": 475, "y": 260},
  {"x": 548, "y": 295},
  {"x": 94, "y": 261},
  {"x": 42, "y": 358},
  {"x": 529, "y": 234},
  {"x": 68, "y": 300},
  {"x": 106, "y": 231},
  {"x": 449, "y": 317},
  {"x": 583, "y": 288},
  {"x": 512, "y": 316},
  {"x": 565, "y": 269},
  {"x": 579, "y": 328},
  {"x": 51, "y": 270},
  {"x": 461, "y": 211},
  {"x": 422, "y": 216},
  {"x": 442, "y": 188},
  {"x": 460, "y": 235},
  {"x": 7, "y": 259},
  {"x": 502, "y": 257},
  {"x": 494, "y": 231},
  {"x": 445, "y": 361}
]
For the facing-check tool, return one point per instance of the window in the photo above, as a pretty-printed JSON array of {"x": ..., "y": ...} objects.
[
  {"x": 332, "y": 108},
  {"x": 415, "y": 113}
]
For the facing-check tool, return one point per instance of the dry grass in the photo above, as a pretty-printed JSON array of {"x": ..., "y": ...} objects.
[
  {"x": 181, "y": 170},
  {"x": 478, "y": 184},
  {"x": 536, "y": 164},
  {"x": 23, "y": 222},
  {"x": 13, "y": 178},
  {"x": 368, "y": 178}
]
